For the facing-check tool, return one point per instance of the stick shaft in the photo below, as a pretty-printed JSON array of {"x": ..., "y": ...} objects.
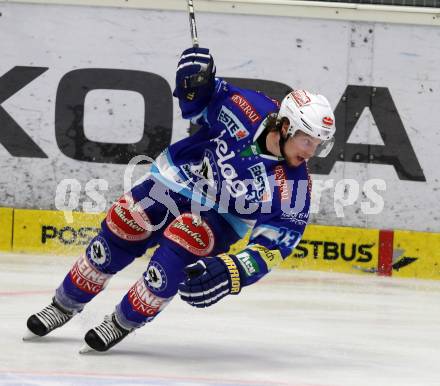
[{"x": 192, "y": 24}]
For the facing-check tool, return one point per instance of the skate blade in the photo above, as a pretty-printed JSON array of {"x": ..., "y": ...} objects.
[
  {"x": 29, "y": 336},
  {"x": 86, "y": 349}
]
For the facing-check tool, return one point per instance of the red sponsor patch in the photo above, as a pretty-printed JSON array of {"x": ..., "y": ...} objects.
[
  {"x": 246, "y": 107},
  {"x": 127, "y": 220},
  {"x": 301, "y": 98},
  {"x": 192, "y": 234},
  {"x": 328, "y": 121},
  {"x": 240, "y": 134},
  {"x": 144, "y": 301},
  {"x": 87, "y": 278},
  {"x": 281, "y": 180}
]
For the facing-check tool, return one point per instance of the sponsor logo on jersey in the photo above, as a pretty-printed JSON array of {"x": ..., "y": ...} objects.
[
  {"x": 281, "y": 181},
  {"x": 144, "y": 301},
  {"x": 235, "y": 187},
  {"x": 127, "y": 220},
  {"x": 248, "y": 263},
  {"x": 155, "y": 277},
  {"x": 246, "y": 107},
  {"x": 98, "y": 252},
  {"x": 87, "y": 278},
  {"x": 234, "y": 126},
  {"x": 194, "y": 236},
  {"x": 261, "y": 183},
  {"x": 300, "y": 97},
  {"x": 296, "y": 218}
]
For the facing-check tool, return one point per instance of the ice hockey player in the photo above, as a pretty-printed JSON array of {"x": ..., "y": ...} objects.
[{"x": 244, "y": 169}]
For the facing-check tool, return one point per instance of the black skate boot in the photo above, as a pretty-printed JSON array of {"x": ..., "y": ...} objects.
[
  {"x": 104, "y": 336},
  {"x": 47, "y": 320}
]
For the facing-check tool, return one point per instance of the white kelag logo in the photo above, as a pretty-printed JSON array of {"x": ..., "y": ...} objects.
[{"x": 235, "y": 187}]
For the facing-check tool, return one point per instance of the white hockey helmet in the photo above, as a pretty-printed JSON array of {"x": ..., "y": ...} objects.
[{"x": 313, "y": 115}]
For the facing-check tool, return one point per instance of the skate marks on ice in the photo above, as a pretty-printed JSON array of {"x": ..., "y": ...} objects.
[{"x": 293, "y": 328}]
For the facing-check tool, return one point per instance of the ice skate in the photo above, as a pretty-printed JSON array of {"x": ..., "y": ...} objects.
[
  {"x": 104, "y": 336},
  {"x": 47, "y": 320}
]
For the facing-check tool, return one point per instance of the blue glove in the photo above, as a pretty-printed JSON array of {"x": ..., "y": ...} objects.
[
  {"x": 195, "y": 80},
  {"x": 209, "y": 280}
]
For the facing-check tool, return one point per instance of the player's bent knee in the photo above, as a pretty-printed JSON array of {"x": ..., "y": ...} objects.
[
  {"x": 164, "y": 272},
  {"x": 127, "y": 220},
  {"x": 185, "y": 239}
]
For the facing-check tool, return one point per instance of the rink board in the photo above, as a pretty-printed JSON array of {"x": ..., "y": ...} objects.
[
  {"x": 335, "y": 249},
  {"x": 54, "y": 232},
  {"x": 339, "y": 249},
  {"x": 6, "y": 221},
  {"x": 416, "y": 254},
  {"x": 323, "y": 248}
]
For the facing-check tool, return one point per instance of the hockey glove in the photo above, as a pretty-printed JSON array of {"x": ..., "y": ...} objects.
[
  {"x": 209, "y": 280},
  {"x": 195, "y": 80}
]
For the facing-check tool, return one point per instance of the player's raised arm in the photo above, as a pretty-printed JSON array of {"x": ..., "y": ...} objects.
[{"x": 195, "y": 81}]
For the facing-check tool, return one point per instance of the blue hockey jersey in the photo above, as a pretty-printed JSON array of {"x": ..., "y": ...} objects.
[{"x": 219, "y": 167}]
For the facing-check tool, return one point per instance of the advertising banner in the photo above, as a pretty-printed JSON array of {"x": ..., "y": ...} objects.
[
  {"x": 6, "y": 221},
  {"x": 338, "y": 249},
  {"x": 322, "y": 248},
  {"x": 86, "y": 89},
  {"x": 416, "y": 254},
  {"x": 48, "y": 232}
]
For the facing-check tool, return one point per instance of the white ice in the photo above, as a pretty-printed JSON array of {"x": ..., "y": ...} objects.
[{"x": 293, "y": 328}]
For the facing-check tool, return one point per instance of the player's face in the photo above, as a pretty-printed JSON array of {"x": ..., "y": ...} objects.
[{"x": 300, "y": 148}]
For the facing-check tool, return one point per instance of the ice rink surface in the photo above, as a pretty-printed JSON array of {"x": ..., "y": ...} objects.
[{"x": 292, "y": 328}]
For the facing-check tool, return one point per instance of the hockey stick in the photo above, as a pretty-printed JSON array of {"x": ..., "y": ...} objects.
[
  {"x": 192, "y": 24},
  {"x": 202, "y": 77}
]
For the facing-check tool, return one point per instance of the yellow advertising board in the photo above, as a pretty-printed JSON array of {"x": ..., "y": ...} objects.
[
  {"x": 336, "y": 249},
  {"x": 6, "y": 221},
  {"x": 323, "y": 248},
  {"x": 54, "y": 232},
  {"x": 416, "y": 254}
]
